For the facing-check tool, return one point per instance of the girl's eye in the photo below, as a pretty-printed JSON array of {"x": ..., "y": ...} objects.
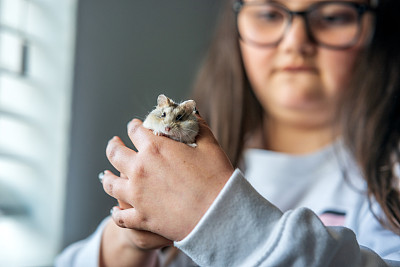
[
  {"x": 163, "y": 115},
  {"x": 338, "y": 19},
  {"x": 179, "y": 117},
  {"x": 270, "y": 17}
]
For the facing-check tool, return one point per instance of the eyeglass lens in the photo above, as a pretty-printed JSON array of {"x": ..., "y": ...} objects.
[{"x": 331, "y": 24}]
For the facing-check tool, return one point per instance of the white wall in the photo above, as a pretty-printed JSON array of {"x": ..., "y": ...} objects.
[{"x": 34, "y": 131}]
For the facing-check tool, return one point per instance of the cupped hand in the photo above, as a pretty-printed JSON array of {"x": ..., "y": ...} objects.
[
  {"x": 139, "y": 239},
  {"x": 169, "y": 185},
  {"x": 129, "y": 247}
]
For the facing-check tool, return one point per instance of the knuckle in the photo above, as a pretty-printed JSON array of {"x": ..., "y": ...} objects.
[
  {"x": 119, "y": 220},
  {"x": 108, "y": 187},
  {"x": 133, "y": 126},
  {"x": 142, "y": 241},
  {"x": 142, "y": 221},
  {"x": 139, "y": 170},
  {"x": 153, "y": 148},
  {"x": 111, "y": 151}
]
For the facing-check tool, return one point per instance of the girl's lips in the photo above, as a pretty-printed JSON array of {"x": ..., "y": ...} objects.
[{"x": 299, "y": 68}]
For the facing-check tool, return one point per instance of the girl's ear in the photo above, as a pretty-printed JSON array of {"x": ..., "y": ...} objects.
[
  {"x": 189, "y": 106},
  {"x": 163, "y": 101}
]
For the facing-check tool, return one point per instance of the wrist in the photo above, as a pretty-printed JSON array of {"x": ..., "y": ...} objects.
[{"x": 205, "y": 201}]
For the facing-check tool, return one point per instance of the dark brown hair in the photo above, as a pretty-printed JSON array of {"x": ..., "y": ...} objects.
[
  {"x": 222, "y": 91},
  {"x": 370, "y": 113}
]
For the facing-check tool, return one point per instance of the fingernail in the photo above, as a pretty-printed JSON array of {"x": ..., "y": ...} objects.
[
  {"x": 101, "y": 175},
  {"x": 113, "y": 209}
]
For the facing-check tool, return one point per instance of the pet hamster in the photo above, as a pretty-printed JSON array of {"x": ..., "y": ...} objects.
[{"x": 176, "y": 121}]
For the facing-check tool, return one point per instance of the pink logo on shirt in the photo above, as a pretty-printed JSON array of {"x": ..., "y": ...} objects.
[{"x": 333, "y": 218}]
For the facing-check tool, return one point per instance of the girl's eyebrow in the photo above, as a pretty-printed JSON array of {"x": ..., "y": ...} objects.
[{"x": 309, "y": 2}]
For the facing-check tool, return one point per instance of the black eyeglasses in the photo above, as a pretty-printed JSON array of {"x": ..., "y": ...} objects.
[{"x": 332, "y": 24}]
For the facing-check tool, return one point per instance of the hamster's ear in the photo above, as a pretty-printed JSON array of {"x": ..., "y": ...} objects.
[
  {"x": 189, "y": 105},
  {"x": 162, "y": 101}
]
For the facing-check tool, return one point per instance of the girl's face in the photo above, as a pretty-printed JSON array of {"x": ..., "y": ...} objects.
[{"x": 298, "y": 82}]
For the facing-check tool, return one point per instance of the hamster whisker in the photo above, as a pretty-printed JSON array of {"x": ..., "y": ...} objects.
[
  {"x": 180, "y": 137},
  {"x": 191, "y": 130}
]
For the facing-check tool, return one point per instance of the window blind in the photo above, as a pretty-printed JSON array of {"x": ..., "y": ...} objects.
[{"x": 36, "y": 55}]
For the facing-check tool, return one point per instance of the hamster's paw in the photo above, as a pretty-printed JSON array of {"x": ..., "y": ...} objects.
[
  {"x": 157, "y": 133},
  {"x": 192, "y": 145}
]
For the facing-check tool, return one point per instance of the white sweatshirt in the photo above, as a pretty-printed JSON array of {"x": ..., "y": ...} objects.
[{"x": 309, "y": 194}]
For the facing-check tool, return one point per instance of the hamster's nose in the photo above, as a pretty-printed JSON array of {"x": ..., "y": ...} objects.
[{"x": 167, "y": 129}]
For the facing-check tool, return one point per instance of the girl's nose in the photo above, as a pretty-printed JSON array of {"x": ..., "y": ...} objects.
[{"x": 297, "y": 39}]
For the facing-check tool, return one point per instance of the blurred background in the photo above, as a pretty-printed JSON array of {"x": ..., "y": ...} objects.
[{"x": 72, "y": 74}]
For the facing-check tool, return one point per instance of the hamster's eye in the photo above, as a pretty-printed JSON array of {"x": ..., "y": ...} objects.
[
  {"x": 163, "y": 115},
  {"x": 179, "y": 117}
]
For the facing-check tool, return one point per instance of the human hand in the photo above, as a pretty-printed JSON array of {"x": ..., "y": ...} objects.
[
  {"x": 141, "y": 240},
  {"x": 129, "y": 247},
  {"x": 138, "y": 239},
  {"x": 169, "y": 185}
]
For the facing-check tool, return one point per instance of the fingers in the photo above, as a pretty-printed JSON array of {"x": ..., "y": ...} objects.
[
  {"x": 129, "y": 218},
  {"x": 144, "y": 240},
  {"x": 115, "y": 186},
  {"x": 139, "y": 135},
  {"x": 119, "y": 155},
  {"x": 121, "y": 203}
]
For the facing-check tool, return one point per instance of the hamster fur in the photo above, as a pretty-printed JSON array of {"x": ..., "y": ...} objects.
[{"x": 176, "y": 121}]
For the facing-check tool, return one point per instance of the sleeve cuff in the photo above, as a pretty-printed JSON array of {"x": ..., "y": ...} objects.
[{"x": 217, "y": 238}]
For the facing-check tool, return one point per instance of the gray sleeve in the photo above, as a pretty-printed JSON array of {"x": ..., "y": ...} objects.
[
  {"x": 84, "y": 253},
  {"x": 241, "y": 228}
]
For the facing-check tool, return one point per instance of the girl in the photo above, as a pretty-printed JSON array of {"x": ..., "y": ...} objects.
[{"x": 302, "y": 96}]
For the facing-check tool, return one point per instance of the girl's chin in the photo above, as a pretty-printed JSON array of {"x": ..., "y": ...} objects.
[
  {"x": 303, "y": 106},
  {"x": 303, "y": 118},
  {"x": 301, "y": 100}
]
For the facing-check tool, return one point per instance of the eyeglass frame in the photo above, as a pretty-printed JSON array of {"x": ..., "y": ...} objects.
[{"x": 359, "y": 7}]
